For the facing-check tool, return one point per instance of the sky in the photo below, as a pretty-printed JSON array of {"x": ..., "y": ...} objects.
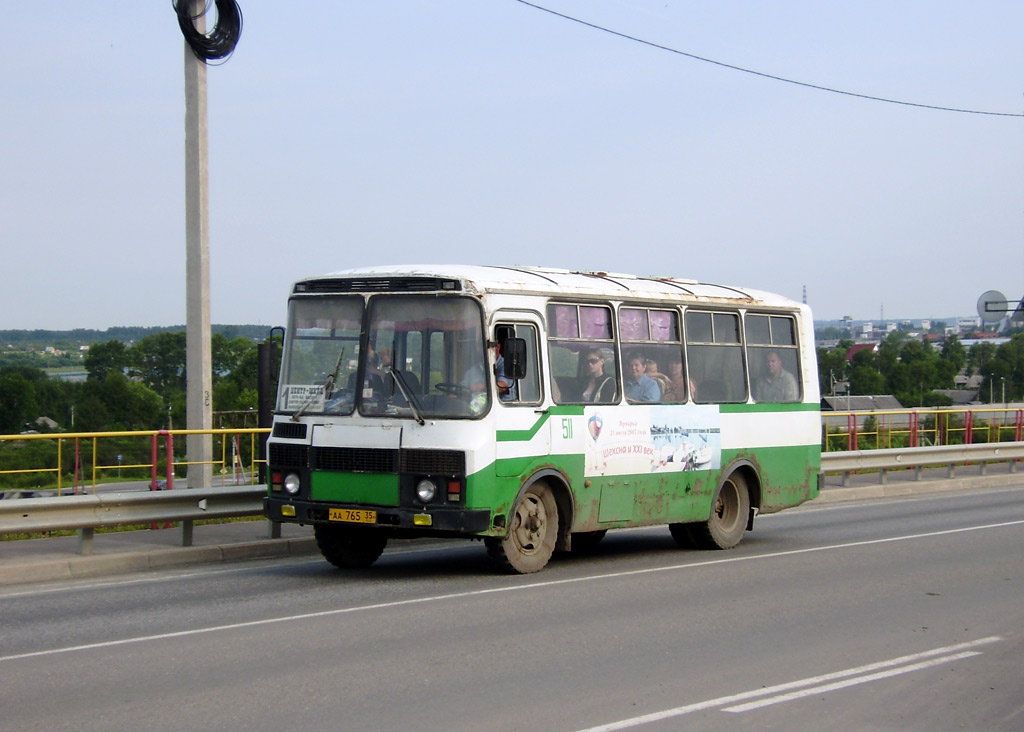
[{"x": 348, "y": 133}]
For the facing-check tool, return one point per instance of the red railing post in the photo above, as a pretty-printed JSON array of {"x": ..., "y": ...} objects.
[
  {"x": 78, "y": 468},
  {"x": 851, "y": 431},
  {"x": 170, "y": 468},
  {"x": 154, "y": 456},
  {"x": 1018, "y": 427},
  {"x": 914, "y": 417},
  {"x": 170, "y": 459},
  {"x": 969, "y": 427}
]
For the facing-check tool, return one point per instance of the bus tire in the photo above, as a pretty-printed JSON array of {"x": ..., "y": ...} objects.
[
  {"x": 348, "y": 547},
  {"x": 683, "y": 535},
  {"x": 730, "y": 511},
  {"x": 532, "y": 532}
]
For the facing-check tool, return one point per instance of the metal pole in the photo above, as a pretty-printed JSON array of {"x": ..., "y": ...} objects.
[{"x": 198, "y": 356}]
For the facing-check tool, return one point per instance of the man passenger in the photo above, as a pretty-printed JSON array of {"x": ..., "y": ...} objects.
[
  {"x": 775, "y": 384},
  {"x": 639, "y": 386}
]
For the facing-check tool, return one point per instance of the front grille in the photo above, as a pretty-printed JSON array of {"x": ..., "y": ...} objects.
[
  {"x": 356, "y": 459},
  {"x": 379, "y": 284},
  {"x": 369, "y": 460},
  {"x": 290, "y": 430},
  {"x": 434, "y": 462},
  {"x": 289, "y": 456}
]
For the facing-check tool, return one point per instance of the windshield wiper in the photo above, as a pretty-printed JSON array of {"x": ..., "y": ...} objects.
[{"x": 408, "y": 393}]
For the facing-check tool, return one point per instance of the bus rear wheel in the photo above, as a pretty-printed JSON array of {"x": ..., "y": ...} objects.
[
  {"x": 532, "y": 530},
  {"x": 730, "y": 512},
  {"x": 349, "y": 547}
]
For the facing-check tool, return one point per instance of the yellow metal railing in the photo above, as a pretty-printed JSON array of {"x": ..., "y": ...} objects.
[
  {"x": 898, "y": 428},
  {"x": 79, "y": 460}
]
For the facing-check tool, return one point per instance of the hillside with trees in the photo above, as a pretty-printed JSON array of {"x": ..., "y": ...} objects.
[
  {"x": 128, "y": 387},
  {"x": 914, "y": 370}
]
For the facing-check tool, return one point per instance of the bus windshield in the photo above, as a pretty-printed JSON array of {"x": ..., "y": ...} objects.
[{"x": 390, "y": 355}]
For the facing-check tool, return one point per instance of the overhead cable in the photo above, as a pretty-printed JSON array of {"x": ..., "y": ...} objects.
[
  {"x": 762, "y": 74},
  {"x": 218, "y": 42}
]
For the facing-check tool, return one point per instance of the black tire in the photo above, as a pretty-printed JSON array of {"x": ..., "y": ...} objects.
[
  {"x": 349, "y": 547},
  {"x": 532, "y": 531},
  {"x": 585, "y": 542},
  {"x": 730, "y": 512}
]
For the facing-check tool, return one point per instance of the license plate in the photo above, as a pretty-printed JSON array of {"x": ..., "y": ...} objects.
[{"x": 352, "y": 515}]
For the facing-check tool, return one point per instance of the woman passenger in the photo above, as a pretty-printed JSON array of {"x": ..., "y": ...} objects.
[{"x": 595, "y": 385}]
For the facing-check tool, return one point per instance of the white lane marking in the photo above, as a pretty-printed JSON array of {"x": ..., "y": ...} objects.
[
  {"x": 959, "y": 650},
  {"x": 850, "y": 682},
  {"x": 512, "y": 588}
]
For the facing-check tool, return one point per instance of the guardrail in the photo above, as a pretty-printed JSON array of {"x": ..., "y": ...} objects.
[
  {"x": 948, "y": 456},
  {"x": 86, "y": 513},
  {"x": 89, "y": 512}
]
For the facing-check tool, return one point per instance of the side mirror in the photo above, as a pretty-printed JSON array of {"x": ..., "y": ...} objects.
[{"x": 513, "y": 350}]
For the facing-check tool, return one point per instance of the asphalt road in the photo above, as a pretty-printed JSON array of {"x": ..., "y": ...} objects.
[{"x": 902, "y": 614}]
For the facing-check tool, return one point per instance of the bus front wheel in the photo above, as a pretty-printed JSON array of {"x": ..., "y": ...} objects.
[
  {"x": 532, "y": 530},
  {"x": 349, "y": 547},
  {"x": 730, "y": 511}
]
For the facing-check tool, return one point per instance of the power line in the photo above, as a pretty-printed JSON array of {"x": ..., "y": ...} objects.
[{"x": 762, "y": 74}]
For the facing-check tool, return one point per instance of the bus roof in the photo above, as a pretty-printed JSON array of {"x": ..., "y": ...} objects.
[{"x": 482, "y": 279}]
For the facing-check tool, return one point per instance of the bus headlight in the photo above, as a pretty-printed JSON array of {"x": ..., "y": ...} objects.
[
  {"x": 292, "y": 483},
  {"x": 426, "y": 490}
]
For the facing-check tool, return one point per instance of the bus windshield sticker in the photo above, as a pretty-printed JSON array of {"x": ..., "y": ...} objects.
[{"x": 307, "y": 397}]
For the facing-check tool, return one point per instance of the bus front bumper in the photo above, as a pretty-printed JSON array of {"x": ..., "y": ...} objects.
[{"x": 446, "y": 519}]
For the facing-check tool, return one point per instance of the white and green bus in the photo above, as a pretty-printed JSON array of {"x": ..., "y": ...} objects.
[{"x": 537, "y": 408}]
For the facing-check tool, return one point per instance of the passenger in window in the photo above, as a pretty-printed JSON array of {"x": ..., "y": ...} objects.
[
  {"x": 775, "y": 384},
  {"x": 506, "y": 385},
  {"x": 664, "y": 385},
  {"x": 639, "y": 386},
  {"x": 595, "y": 384},
  {"x": 676, "y": 389}
]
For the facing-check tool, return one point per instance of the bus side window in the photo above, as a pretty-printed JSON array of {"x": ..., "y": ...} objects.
[
  {"x": 527, "y": 389},
  {"x": 772, "y": 358},
  {"x": 581, "y": 353},
  {"x": 715, "y": 357}
]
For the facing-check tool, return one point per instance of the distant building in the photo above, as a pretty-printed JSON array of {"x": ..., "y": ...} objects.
[
  {"x": 873, "y": 347},
  {"x": 859, "y": 403}
]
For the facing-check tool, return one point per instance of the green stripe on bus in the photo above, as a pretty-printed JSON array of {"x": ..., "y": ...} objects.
[
  {"x": 765, "y": 407},
  {"x": 527, "y": 435}
]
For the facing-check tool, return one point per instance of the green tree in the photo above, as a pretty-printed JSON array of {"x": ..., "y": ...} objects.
[
  {"x": 18, "y": 405},
  {"x": 158, "y": 360},
  {"x": 832, "y": 366},
  {"x": 105, "y": 358},
  {"x": 227, "y": 355},
  {"x": 1005, "y": 370},
  {"x": 954, "y": 352},
  {"x": 865, "y": 380},
  {"x": 979, "y": 355},
  {"x": 26, "y": 394}
]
